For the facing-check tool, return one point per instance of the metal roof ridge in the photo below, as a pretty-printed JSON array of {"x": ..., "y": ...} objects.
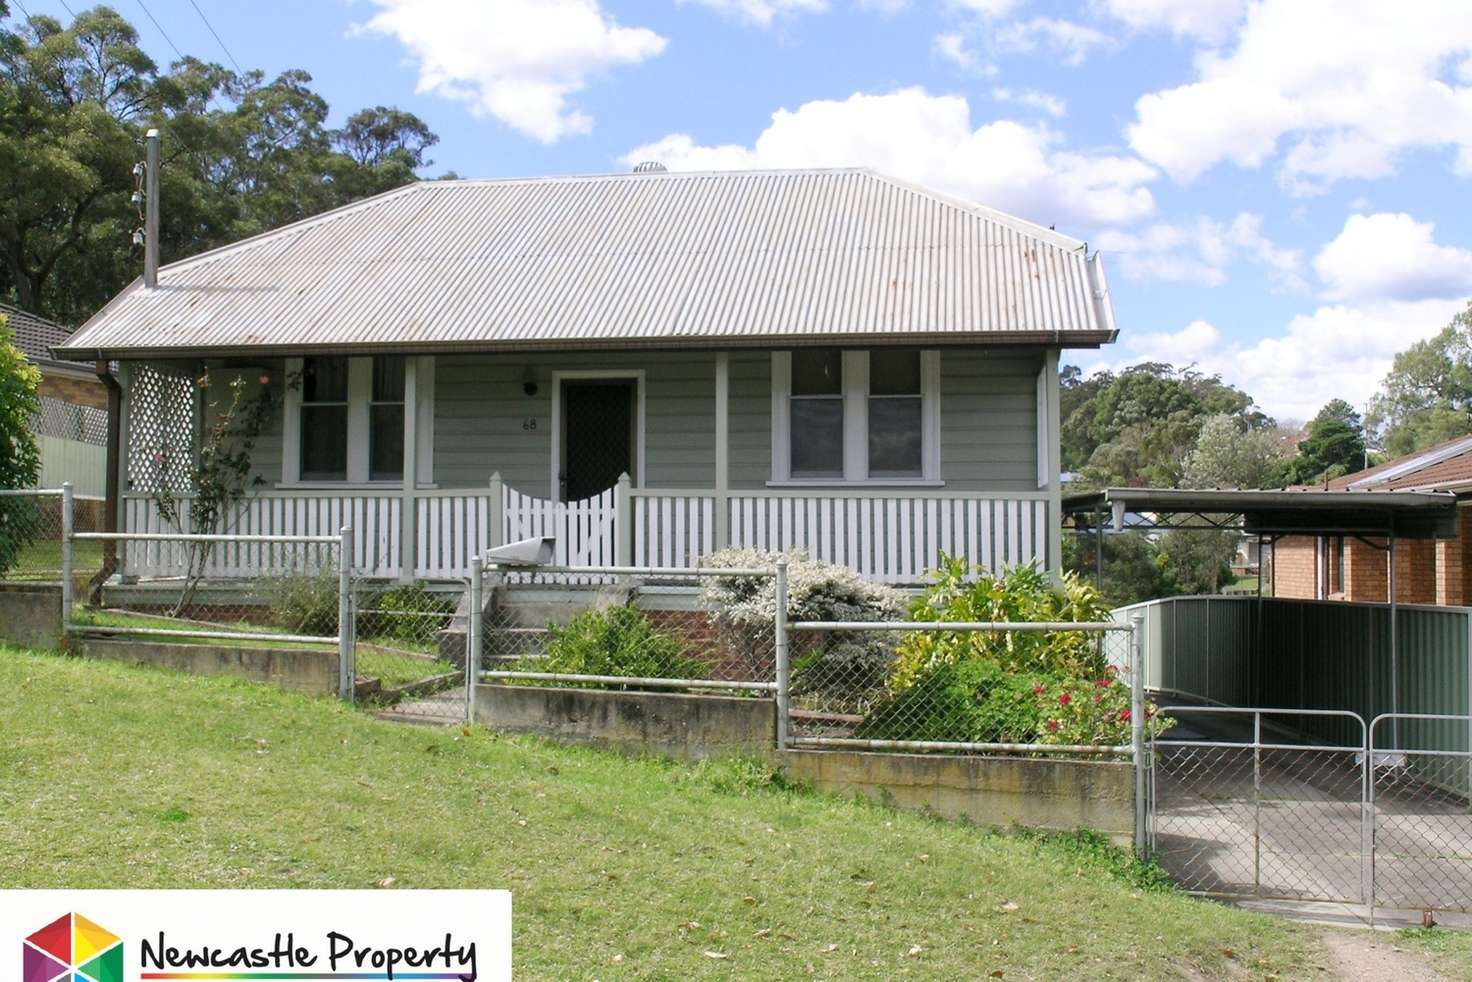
[{"x": 1415, "y": 462}]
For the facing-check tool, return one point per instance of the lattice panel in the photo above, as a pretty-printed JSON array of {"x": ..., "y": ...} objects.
[
  {"x": 161, "y": 403},
  {"x": 85, "y": 424}
]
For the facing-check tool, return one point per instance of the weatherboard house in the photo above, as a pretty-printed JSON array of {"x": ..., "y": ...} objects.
[{"x": 646, "y": 367}]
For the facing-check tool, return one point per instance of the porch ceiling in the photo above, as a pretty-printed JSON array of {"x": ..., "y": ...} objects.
[
  {"x": 651, "y": 260},
  {"x": 1405, "y": 514}
]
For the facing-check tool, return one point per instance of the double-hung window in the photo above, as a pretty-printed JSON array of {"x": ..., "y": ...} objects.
[
  {"x": 856, "y": 417},
  {"x": 386, "y": 420},
  {"x": 345, "y": 419},
  {"x": 324, "y": 419}
]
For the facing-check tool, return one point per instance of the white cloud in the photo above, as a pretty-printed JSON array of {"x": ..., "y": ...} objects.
[
  {"x": 1042, "y": 101},
  {"x": 1208, "y": 20},
  {"x": 884, "y": 6},
  {"x": 762, "y": 12},
  {"x": 952, "y": 47},
  {"x": 1069, "y": 41},
  {"x": 1391, "y": 256},
  {"x": 517, "y": 60},
  {"x": 987, "y": 8},
  {"x": 1338, "y": 351},
  {"x": 1200, "y": 251},
  {"x": 1350, "y": 84},
  {"x": 931, "y": 139}
]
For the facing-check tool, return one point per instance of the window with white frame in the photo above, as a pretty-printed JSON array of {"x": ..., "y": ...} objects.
[
  {"x": 324, "y": 419},
  {"x": 856, "y": 417},
  {"x": 386, "y": 420},
  {"x": 345, "y": 419}
]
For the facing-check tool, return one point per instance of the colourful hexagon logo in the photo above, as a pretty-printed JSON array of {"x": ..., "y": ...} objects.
[{"x": 72, "y": 949}]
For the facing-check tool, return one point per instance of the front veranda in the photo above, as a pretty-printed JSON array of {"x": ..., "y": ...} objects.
[{"x": 623, "y": 458}]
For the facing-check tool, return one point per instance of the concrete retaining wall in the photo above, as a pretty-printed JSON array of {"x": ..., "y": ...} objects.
[
  {"x": 298, "y": 669},
  {"x": 674, "y": 724},
  {"x": 1041, "y": 793},
  {"x": 30, "y": 615}
]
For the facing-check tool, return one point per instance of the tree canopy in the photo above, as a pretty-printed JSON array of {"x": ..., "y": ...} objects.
[
  {"x": 1427, "y": 397},
  {"x": 242, "y": 153},
  {"x": 1332, "y": 446}
]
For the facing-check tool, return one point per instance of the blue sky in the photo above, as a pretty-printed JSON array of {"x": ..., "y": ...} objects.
[{"x": 1279, "y": 187}]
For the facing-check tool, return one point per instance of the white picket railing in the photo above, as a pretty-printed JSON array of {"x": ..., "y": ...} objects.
[
  {"x": 890, "y": 536},
  {"x": 893, "y": 538},
  {"x": 373, "y": 517},
  {"x": 672, "y": 528}
]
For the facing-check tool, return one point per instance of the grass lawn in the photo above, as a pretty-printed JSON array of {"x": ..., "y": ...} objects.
[
  {"x": 392, "y": 661},
  {"x": 216, "y": 783},
  {"x": 41, "y": 560},
  {"x": 1453, "y": 949}
]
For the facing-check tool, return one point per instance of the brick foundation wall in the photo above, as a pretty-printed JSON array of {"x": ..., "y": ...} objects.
[{"x": 77, "y": 391}]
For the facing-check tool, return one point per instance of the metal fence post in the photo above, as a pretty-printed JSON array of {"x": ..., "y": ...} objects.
[
  {"x": 1137, "y": 728},
  {"x": 473, "y": 634},
  {"x": 779, "y": 636},
  {"x": 67, "y": 525},
  {"x": 346, "y": 675}
]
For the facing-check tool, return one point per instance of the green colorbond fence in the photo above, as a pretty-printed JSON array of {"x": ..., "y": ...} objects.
[{"x": 1308, "y": 654}]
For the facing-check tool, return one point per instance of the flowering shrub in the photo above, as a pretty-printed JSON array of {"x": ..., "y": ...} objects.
[
  {"x": 994, "y": 687},
  {"x": 744, "y": 609},
  {"x": 1022, "y": 593}
]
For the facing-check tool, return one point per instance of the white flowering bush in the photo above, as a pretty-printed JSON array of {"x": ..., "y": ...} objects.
[{"x": 744, "y": 609}]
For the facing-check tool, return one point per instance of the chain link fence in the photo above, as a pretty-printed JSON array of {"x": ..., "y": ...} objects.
[
  {"x": 627, "y": 628},
  {"x": 1420, "y": 795},
  {"x": 33, "y": 526},
  {"x": 409, "y": 649},
  {"x": 964, "y": 687},
  {"x": 1242, "y": 805}
]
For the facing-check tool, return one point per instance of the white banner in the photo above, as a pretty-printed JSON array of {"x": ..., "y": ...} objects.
[{"x": 137, "y": 935}]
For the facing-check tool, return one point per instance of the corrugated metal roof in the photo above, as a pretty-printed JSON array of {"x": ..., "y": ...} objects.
[
  {"x": 34, "y": 336},
  {"x": 653, "y": 259},
  {"x": 1446, "y": 465}
]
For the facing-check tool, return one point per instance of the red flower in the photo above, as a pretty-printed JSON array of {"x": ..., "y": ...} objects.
[
  {"x": 1124, "y": 715},
  {"x": 1037, "y": 690},
  {"x": 1098, "y": 698},
  {"x": 1065, "y": 699},
  {"x": 1104, "y": 683},
  {"x": 1053, "y": 725},
  {"x": 265, "y": 378}
]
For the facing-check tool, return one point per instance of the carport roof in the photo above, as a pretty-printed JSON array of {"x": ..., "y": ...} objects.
[{"x": 1407, "y": 514}]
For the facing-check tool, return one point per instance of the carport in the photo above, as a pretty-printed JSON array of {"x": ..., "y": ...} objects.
[{"x": 1323, "y": 749}]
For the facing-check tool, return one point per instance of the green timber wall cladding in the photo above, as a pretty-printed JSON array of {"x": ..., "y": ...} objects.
[{"x": 1316, "y": 655}]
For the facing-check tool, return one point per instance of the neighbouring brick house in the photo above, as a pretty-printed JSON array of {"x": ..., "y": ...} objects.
[
  {"x": 1427, "y": 571},
  {"x": 72, "y": 425}
]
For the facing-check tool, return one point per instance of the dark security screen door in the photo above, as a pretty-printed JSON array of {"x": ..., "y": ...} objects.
[{"x": 597, "y": 436}]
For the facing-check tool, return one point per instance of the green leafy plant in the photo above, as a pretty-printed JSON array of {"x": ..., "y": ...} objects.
[
  {"x": 1022, "y": 593},
  {"x": 617, "y": 640},
  {"x": 409, "y": 613},
  {"x": 20, "y": 460},
  {"x": 1034, "y": 687},
  {"x": 303, "y": 603},
  {"x": 220, "y": 472}
]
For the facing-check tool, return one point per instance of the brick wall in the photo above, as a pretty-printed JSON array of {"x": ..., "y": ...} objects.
[
  {"x": 1427, "y": 571},
  {"x": 1293, "y": 568},
  {"x": 77, "y": 391}
]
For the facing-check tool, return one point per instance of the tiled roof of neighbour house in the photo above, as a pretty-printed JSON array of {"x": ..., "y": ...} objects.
[
  {"x": 653, "y": 259},
  {"x": 1442, "y": 467},
  {"x": 34, "y": 336}
]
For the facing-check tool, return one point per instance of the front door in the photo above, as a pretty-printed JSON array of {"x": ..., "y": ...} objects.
[{"x": 598, "y": 436}]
